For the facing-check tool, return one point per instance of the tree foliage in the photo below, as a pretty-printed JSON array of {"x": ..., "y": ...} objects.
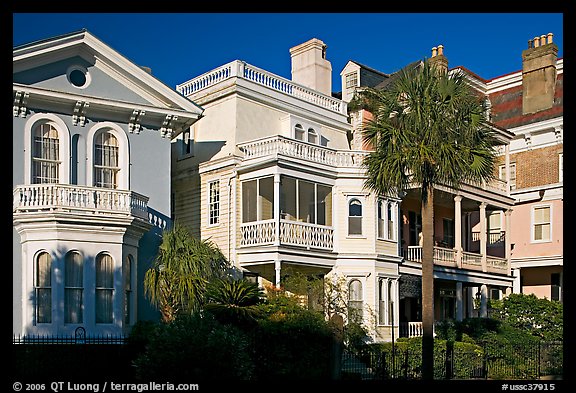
[{"x": 183, "y": 267}]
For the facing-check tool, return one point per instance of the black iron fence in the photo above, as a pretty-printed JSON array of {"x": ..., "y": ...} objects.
[
  {"x": 76, "y": 356},
  {"x": 512, "y": 361}
]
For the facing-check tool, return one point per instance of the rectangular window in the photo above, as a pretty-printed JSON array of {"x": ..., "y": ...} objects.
[
  {"x": 187, "y": 143},
  {"x": 73, "y": 288},
  {"x": 214, "y": 203},
  {"x": 45, "y": 155},
  {"x": 495, "y": 234},
  {"x": 354, "y": 217},
  {"x": 502, "y": 174},
  {"x": 386, "y": 219},
  {"x": 414, "y": 227},
  {"x": 258, "y": 199},
  {"x": 104, "y": 289},
  {"x": 351, "y": 80},
  {"x": 448, "y": 231},
  {"x": 305, "y": 201},
  {"x": 541, "y": 223}
]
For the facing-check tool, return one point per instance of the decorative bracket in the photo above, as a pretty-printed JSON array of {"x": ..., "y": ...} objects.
[
  {"x": 79, "y": 116},
  {"x": 134, "y": 124},
  {"x": 20, "y": 102},
  {"x": 528, "y": 140},
  {"x": 166, "y": 129},
  {"x": 558, "y": 132}
]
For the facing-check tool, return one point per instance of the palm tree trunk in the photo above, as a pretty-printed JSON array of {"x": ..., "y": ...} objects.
[{"x": 428, "y": 285}]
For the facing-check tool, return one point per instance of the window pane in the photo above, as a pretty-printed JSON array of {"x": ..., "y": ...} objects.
[
  {"x": 73, "y": 291},
  {"x": 266, "y": 198},
  {"x": 214, "y": 203},
  {"x": 324, "y": 205},
  {"x": 299, "y": 132},
  {"x": 312, "y": 136},
  {"x": 73, "y": 274},
  {"x": 249, "y": 198},
  {"x": 103, "y": 306},
  {"x": 355, "y": 208},
  {"x": 43, "y": 288},
  {"x": 104, "y": 289},
  {"x": 306, "y": 202},
  {"x": 288, "y": 198},
  {"x": 104, "y": 274},
  {"x": 73, "y": 305}
]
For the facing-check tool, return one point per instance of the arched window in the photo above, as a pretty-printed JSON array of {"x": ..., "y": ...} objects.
[
  {"x": 104, "y": 288},
  {"x": 354, "y": 217},
  {"x": 299, "y": 132},
  {"x": 43, "y": 288},
  {"x": 355, "y": 300},
  {"x": 312, "y": 136},
  {"x": 128, "y": 294},
  {"x": 106, "y": 160},
  {"x": 73, "y": 288},
  {"x": 45, "y": 154}
]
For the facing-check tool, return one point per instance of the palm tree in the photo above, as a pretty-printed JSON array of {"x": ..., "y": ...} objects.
[
  {"x": 183, "y": 267},
  {"x": 234, "y": 301},
  {"x": 427, "y": 129}
]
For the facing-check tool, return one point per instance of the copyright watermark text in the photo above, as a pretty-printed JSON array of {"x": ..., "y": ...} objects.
[{"x": 60, "y": 386}]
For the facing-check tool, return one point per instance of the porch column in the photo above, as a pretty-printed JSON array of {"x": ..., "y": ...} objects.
[
  {"x": 507, "y": 238},
  {"x": 459, "y": 303},
  {"x": 483, "y": 301},
  {"x": 470, "y": 304},
  {"x": 277, "y": 210},
  {"x": 507, "y": 162},
  {"x": 277, "y": 268},
  {"x": 483, "y": 234},
  {"x": 458, "y": 229},
  {"x": 516, "y": 283}
]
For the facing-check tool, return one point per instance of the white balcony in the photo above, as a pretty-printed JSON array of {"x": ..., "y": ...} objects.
[
  {"x": 78, "y": 199},
  {"x": 449, "y": 257},
  {"x": 282, "y": 146},
  {"x": 291, "y": 233},
  {"x": 242, "y": 70},
  {"x": 410, "y": 329}
]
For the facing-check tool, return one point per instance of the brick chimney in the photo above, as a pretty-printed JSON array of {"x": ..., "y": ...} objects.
[
  {"x": 438, "y": 59},
  {"x": 539, "y": 74},
  {"x": 310, "y": 67}
]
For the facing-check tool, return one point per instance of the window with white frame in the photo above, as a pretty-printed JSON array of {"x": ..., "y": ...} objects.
[
  {"x": 354, "y": 217},
  {"x": 495, "y": 234},
  {"x": 312, "y": 136},
  {"x": 305, "y": 201},
  {"x": 104, "y": 288},
  {"x": 386, "y": 301},
  {"x": 128, "y": 293},
  {"x": 355, "y": 300},
  {"x": 43, "y": 288},
  {"x": 351, "y": 80},
  {"x": 309, "y": 135},
  {"x": 45, "y": 154},
  {"x": 541, "y": 224},
  {"x": 258, "y": 199},
  {"x": 386, "y": 219},
  {"x": 502, "y": 174},
  {"x": 73, "y": 288},
  {"x": 214, "y": 202},
  {"x": 106, "y": 160},
  {"x": 299, "y": 132}
]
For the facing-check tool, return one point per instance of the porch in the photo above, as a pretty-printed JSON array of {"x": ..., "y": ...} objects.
[{"x": 463, "y": 260}]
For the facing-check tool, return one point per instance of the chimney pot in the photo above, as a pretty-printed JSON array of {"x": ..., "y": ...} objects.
[
  {"x": 440, "y": 49},
  {"x": 536, "y": 42},
  {"x": 550, "y": 35},
  {"x": 434, "y": 52}
]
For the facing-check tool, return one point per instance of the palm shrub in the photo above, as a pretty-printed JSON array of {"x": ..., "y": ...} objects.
[{"x": 234, "y": 301}]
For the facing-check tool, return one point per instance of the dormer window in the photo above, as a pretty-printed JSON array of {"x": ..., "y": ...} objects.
[{"x": 351, "y": 80}]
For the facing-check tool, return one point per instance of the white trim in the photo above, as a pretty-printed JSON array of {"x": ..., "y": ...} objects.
[
  {"x": 64, "y": 148},
  {"x": 209, "y": 192},
  {"x": 123, "y": 151},
  {"x": 534, "y": 207}
]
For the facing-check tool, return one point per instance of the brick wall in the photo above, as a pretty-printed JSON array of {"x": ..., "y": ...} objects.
[{"x": 536, "y": 167}]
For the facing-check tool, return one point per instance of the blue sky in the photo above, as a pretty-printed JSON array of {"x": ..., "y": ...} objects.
[{"x": 178, "y": 47}]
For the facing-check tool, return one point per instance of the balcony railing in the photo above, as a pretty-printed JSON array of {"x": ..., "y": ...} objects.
[
  {"x": 240, "y": 69},
  {"x": 279, "y": 145},
  {"x": 79, "y": 199},
  {"x": 293, "y": 233},
  {"x": 493, "y": 237},
  {"x": 449, "y": 257},
  {"x": 410, "y": 329}
]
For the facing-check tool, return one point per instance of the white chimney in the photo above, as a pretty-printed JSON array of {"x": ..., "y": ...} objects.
[{"x": 310, "y": 67}]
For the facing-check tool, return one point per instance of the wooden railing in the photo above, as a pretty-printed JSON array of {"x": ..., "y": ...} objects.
[
  {"x": 293, "y": 233},
  {"x": 449, "y": 257},
  {"x": 410, "y": 329}
]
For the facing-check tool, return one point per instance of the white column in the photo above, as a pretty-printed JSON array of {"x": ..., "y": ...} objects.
[
  {"x": 483, "y": 301},
  {"x": 483, "y": 234},
  {"x": 508, "y": 238},
  {"x": 459, "y": 304},
  {"x": 277, "y": 268},
  {"x": 458, "y": 229},
  {"x": 516, "y": 284},
  {"x": 470, "y": 302},
  {"x": 277, "y": 209},
  {"x": 507, "y": 162}
]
